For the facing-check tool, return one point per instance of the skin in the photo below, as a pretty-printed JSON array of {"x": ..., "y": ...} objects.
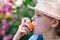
[
  {"x": 40, "y": 22},
  {"x": 42, "y": 25}
]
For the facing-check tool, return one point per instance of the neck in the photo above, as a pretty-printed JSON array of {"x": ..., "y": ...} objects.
[{"x": 49, "y": 35}]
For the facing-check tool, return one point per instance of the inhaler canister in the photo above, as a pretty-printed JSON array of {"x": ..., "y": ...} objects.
[{"x": 27, "y": 20}]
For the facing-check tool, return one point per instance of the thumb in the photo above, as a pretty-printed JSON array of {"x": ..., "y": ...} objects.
[{"x": 24, "y": 20}]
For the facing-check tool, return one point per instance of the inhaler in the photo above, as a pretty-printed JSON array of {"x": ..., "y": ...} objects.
[{"x": 27, "y": 20}]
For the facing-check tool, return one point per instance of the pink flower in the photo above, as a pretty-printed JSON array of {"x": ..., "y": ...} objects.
[
  {"x": 8, "y": 37},
  {"x": 9, "y": 14},
  {"x": 10, "y": 1},
  {"x": 1, "y": 33},
  {"x": 7, "y": 7},
  {"x": 5, "y": 25},
  {"x": 2, "y": 10}
]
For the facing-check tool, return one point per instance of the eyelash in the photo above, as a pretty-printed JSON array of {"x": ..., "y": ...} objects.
[{"x": 38, "y": 15}]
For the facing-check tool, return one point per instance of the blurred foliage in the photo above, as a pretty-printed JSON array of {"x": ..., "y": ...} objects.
[{"x": 22, "y": 11}]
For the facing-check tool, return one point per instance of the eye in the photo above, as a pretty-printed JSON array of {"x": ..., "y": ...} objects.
[{"x": 38, "y": 15}]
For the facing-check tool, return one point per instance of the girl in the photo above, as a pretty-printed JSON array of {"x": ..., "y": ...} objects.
[{"x": 46, "y": 21}]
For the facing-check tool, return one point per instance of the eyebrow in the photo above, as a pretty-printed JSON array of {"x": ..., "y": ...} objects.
[{"x": 42, "y": 13}]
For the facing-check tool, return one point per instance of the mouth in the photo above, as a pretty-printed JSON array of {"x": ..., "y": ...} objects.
[{"x": 33, "y": 25}]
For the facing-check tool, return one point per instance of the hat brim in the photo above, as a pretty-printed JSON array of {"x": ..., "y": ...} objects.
[
  {"x": 46, "y": 13},
  {"x": 33, "y": 8}
]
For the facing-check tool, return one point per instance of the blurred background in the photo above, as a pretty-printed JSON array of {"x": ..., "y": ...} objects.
[{"x": 11, "y": 12}]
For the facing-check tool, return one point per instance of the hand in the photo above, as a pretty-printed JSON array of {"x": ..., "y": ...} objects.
[{"x": 22, "y": 30}]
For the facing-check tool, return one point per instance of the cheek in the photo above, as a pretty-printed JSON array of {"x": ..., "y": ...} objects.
[
  {"x": 41, "y": 25},
  {"x": 43, "y": 22}
]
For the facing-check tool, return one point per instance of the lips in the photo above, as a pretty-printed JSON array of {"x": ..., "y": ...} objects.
[
  {"x": 33, "y": 23},
  {"x": 31, "y": 26}
]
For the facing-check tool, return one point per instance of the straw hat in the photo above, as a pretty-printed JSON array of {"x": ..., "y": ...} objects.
[{"x": 49, "y": 7}]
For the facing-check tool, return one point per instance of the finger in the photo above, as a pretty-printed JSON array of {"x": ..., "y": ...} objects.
[
  {"x": 26, "y": 29},
  {"x": 23, "y": 32},
  {"x": 28, "y": 26},
  {"x": 24, "y": 25}
]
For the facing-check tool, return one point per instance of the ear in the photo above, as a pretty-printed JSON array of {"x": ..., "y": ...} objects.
[{"x": 54, "y": 22}]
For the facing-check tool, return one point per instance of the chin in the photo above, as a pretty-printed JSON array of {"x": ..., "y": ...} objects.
[{"x": 36, "y": 33}]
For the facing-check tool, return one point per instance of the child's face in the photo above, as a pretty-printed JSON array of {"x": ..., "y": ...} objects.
[{"x": 41, "y": 22}]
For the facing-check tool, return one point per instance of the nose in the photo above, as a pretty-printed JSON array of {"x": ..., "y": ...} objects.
[{"x": 33, "y": 18}]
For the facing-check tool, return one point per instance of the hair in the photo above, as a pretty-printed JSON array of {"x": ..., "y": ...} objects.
[{"x": 57, "y": 30}]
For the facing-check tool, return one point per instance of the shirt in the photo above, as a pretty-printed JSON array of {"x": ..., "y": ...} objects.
[{"x": 36, "y": 37}]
